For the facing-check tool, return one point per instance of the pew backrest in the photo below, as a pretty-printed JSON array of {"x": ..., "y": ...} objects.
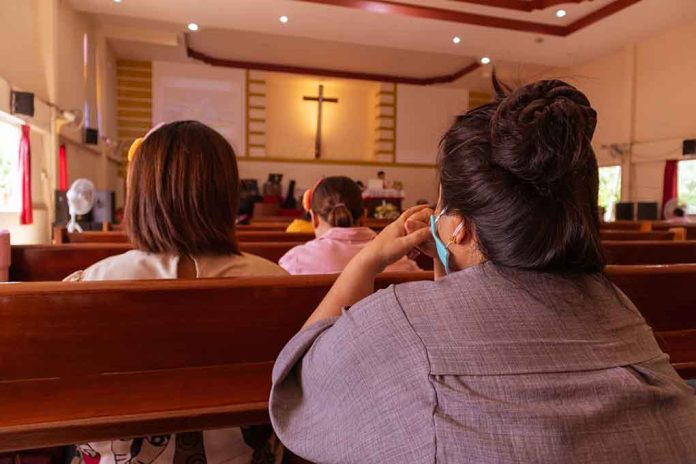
[
  {"x": 61, "y": 236},
  {"x": 650, "y": 252},
  {"x": 664, "y": 295},
  {"x": 31, "y": 263},
  {"x": 636, "y": 226},
  {"x": 46, "y": 324},
  {"x": 636, "y": 235},
  {"x": 89, "y": 361},
  {"x": 690, "y": 228}
]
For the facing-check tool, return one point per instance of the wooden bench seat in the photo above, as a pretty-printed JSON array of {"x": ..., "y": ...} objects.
[{"x": 100, "y": 360}]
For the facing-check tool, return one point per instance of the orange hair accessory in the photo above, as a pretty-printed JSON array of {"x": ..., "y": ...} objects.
[
  {"x": 307, "y": 196},
  {"x": 135, "y": 146}
]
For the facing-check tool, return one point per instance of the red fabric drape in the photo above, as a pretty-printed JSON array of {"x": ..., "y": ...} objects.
[
  {"x": 26, "y": 216},
  {"x": 62, "y": 168},
  {"x": 670, "y": 188}
]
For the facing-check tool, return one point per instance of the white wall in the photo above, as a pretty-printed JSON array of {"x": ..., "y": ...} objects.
[
  {"x": 41, "y": 44},
  {"x": 26, "y": 28},
  {"x": 214, "y": 96},
  {"x": 424, "y": 113},
  {"x": 645, "y": 95}
]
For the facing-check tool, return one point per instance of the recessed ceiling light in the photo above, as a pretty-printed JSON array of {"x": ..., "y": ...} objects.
[
  {"x": 456, "y": 39},
  {"x": 561, "y": 13},
  {"x": 284, "y": 19},
  {"x": 118, "y": 1},
  {"x": 485, "y": 60},
  {"x": 193, "y": 27}
]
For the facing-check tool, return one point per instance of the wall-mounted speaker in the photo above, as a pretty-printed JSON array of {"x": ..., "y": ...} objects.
[
  {"x": 91, "y": 136},
  {"x": 22, "y": 103},
  {"x": 647, "y": 211},
  {"x": 624, "y": 211},
  {"x": 689, "y": 147}
]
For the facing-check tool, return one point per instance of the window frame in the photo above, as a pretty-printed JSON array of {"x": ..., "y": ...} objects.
[
  {"x": 610, "y": 208},
  {"x": 690, "y": 204},
  {"x": 10, "y": 127}
]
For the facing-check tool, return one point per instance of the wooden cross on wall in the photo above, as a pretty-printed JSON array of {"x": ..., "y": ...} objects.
[{"x": 320, "y": 99}]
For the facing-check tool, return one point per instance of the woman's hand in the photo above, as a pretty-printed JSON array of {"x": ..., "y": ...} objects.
[
  {"x": 357, "y": 280},
  {"x": 421, "y": 220},
  {"x": 393, "y": 243}
]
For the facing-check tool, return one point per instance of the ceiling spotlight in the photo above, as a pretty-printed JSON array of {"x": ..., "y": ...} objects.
[
  {"x": 284, "y": 19},
  {"x": 456, "y": 39},
  {"x": 193, "y": 27},
  {"x": 118, "y": 1},
  {"x": 485, "y": 60},
  {"x": 561, "y": 13}
]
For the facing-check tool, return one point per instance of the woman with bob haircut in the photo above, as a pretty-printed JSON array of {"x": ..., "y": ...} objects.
[
  {"x": 521, "y": 350},
  {"x": 181, "y": 205}
]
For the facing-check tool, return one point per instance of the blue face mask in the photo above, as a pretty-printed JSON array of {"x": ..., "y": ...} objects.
[{"x": 442, "y": 248}]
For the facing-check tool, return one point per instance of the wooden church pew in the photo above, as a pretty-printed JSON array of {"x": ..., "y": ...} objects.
[
  {"x": 620, "y": 252},
  {"x": 650, "y": 252},
  {"x": 636, "y": 226},
  {"x": 637, "y": 235},
  {"x": 61, "y": 236},
  {"x": 89, "y": 361},
  {"x": 664, "y": 295},
  {"x": 263, "y": 226},
  {"x": 55, "y": 262},
  {"x": 31, "y": 263},
  {"x": 689, "y": 227}
]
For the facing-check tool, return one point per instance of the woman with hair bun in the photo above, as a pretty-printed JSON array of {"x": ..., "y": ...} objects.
[
  {"x": 336, "y": 208},
  {"x": 521, "y": 350}
]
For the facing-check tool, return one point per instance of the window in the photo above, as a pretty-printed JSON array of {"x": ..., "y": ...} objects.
[
  {"x": 686, "y": 173},
  {"x": 10, "y": 182},
  {"x": 609, "y": 190}
]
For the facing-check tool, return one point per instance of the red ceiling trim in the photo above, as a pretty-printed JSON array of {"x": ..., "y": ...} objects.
[
  {"x": 424, "y": 12},
  {"x": 600, "y": 14},
  {"x": 520, "y": 5},
  {"x": 336, "y": 73}
]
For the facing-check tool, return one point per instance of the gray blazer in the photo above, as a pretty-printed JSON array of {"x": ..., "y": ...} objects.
[{"x": 485, "y": 366}]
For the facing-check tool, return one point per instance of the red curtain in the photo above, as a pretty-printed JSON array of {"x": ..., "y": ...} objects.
[
  {"x": 62, "y": 168},
  {"x": 26, "y": 216},
  {"x": 670, "y": 188}
]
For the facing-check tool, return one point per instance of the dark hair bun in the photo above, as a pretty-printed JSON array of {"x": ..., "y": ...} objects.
[{"x": 540, "y": 132}]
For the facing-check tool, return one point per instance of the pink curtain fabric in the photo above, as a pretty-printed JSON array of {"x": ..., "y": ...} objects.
[
  {"x": 670, "y": 189},
  {"x": 62, "y": 168},
  {"x": 26, "y": 216}
]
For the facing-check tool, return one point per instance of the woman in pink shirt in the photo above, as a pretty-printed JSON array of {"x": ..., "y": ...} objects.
[{"x": 336, "y": 207}]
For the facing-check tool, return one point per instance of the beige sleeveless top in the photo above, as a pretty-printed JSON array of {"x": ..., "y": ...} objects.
[{"x": 140, "y": 265}]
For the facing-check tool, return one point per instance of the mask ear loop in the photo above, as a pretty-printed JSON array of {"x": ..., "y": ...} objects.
[{"x": 453, "y": 238}]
